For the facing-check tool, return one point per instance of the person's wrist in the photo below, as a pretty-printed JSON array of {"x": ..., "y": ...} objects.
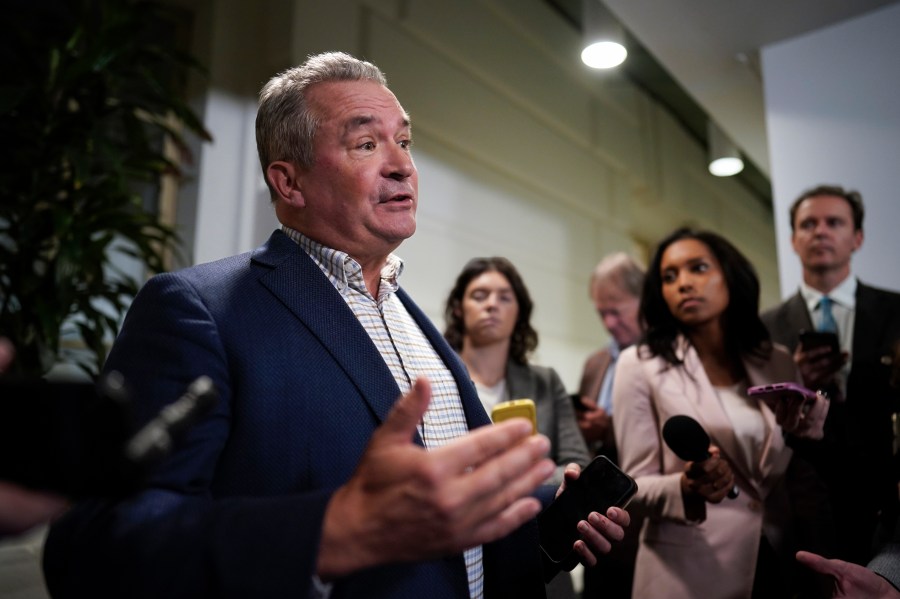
[
  {"x": 694, "y": 503},
  {"x": 341, "y": 547}
]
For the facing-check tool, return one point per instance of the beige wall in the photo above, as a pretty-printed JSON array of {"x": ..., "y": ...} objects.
[{"x": 522, "y": 152}]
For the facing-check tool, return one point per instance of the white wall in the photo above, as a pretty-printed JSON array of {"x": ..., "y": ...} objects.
[
  {"x": 522, "y": 151},
  {"x": 833, "y": 116}
]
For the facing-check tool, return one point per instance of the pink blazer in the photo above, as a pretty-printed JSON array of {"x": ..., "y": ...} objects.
[{"x": 716, "y": 557}]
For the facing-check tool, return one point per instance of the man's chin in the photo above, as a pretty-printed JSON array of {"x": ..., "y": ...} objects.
[
  {"x": 395, "y": 236},
  {"x": 401, "y": 231},
  {"x": 820, "y": 266}
]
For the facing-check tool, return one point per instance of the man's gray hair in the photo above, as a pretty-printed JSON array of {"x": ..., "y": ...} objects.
[
  {"x": 620, "y": 270},
  {"x": 285, "y": 123}
]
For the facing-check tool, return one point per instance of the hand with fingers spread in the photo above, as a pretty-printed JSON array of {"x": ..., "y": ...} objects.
[
  {"x": 404, "y": 503},
  {"x": 710, "y": 479}
]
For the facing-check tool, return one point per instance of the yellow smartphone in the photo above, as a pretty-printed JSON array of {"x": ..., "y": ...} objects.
[{"x": 517, "y": 408}]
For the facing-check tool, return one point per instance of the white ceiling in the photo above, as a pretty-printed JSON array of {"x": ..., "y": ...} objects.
[{"x": 711, "y": 48}]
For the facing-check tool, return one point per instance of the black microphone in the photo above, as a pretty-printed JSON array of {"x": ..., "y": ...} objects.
[
  {"x": 686, "y": 437},
  {"x": 156, "y": 438}
]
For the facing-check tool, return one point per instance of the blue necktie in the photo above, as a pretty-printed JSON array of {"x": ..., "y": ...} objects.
[{"x": 827, "y": 324}]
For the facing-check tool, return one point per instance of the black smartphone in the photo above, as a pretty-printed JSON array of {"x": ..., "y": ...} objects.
[
  {"x": 814, "y": 339},
  {"x": 601, "y": 486},
  {"x": 577, "y": 403}
]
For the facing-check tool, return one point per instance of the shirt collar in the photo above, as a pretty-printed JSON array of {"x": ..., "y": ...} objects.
[
  {"x": 844, "y": 294},
  {"x": 342, "y": 270}
]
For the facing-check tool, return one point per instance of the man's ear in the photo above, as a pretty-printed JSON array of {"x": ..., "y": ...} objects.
[
  {"x": 858, "y": 239},
  {"x": 285, "y": 181}
]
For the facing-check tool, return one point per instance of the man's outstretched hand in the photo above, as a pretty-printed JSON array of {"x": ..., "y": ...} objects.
[{"x": 405, "y": 503}]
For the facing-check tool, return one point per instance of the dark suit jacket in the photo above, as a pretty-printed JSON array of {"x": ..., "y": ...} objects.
[
  {"x": 595, "y": 369},
  {"x": 237, "y": 510},
  {"x": 855, "y": 457},
  {"x": 594, "y": 372}
]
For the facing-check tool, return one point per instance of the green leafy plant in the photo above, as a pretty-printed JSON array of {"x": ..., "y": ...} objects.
[{"x": 94, "y": 91}]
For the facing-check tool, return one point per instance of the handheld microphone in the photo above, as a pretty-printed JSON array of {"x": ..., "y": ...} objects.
[
  {"x": 686, "y": 437},
  {"x": 157, "y": 437}
]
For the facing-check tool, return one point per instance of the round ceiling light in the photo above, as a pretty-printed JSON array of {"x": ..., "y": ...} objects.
[{"x": 604, "y": 55}]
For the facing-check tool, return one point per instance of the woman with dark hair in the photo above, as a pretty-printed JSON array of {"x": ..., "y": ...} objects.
[
  {"x": 703, "y": 347},
  {"x": 488, "y": 316}
]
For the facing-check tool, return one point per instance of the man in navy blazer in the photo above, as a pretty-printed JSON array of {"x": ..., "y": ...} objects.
[
  {"x": 311, "y": 478},
  {"x": 855, "y": 458}
]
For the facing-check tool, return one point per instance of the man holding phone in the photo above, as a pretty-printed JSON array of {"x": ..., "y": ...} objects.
[
  {"x": 842, "y": 333},
  {"x": 615, "y": 290}
]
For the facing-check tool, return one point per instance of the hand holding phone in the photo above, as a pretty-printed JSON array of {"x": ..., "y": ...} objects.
[
  {"x": 600, "y": 486},
  {"x": 816, "y": 339},
  {"x": 819, "y": 358},
  {"x": 577, "y": 404},
  {"x": 798, "y": 410}
]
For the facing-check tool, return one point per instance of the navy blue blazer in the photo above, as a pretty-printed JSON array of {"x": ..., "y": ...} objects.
[{"x": 237, "y": 510}]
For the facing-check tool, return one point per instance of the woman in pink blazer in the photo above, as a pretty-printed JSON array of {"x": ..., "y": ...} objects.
[{"x": 703, "y": 347}]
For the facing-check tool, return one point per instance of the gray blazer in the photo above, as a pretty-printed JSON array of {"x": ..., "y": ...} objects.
[{"x": 555, "y": 415}]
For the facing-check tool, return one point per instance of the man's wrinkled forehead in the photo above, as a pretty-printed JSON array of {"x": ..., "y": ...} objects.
[{"x": 365, "y": 121}]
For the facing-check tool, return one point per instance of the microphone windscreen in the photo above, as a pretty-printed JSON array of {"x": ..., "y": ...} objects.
[
  {"x": 686, "y": 437},
  {"x": 155, "y": 439}
]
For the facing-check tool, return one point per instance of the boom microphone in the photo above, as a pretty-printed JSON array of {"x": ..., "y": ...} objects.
[
  {"x": 75, "y": 439},
  {"x": 686, "y": 437},
  {"x": 157, "y": 437}
]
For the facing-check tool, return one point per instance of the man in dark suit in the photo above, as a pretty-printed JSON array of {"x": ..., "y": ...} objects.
[
  {"x": 615, "y": 289},
  {"x": 855, "y": 457},
  {"x": 311, "y": 478}
]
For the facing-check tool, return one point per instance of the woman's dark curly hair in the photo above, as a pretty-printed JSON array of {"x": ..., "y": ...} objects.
[
  {"x": 524, "y": 338},
  {"x": 745, "y": 333}
]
